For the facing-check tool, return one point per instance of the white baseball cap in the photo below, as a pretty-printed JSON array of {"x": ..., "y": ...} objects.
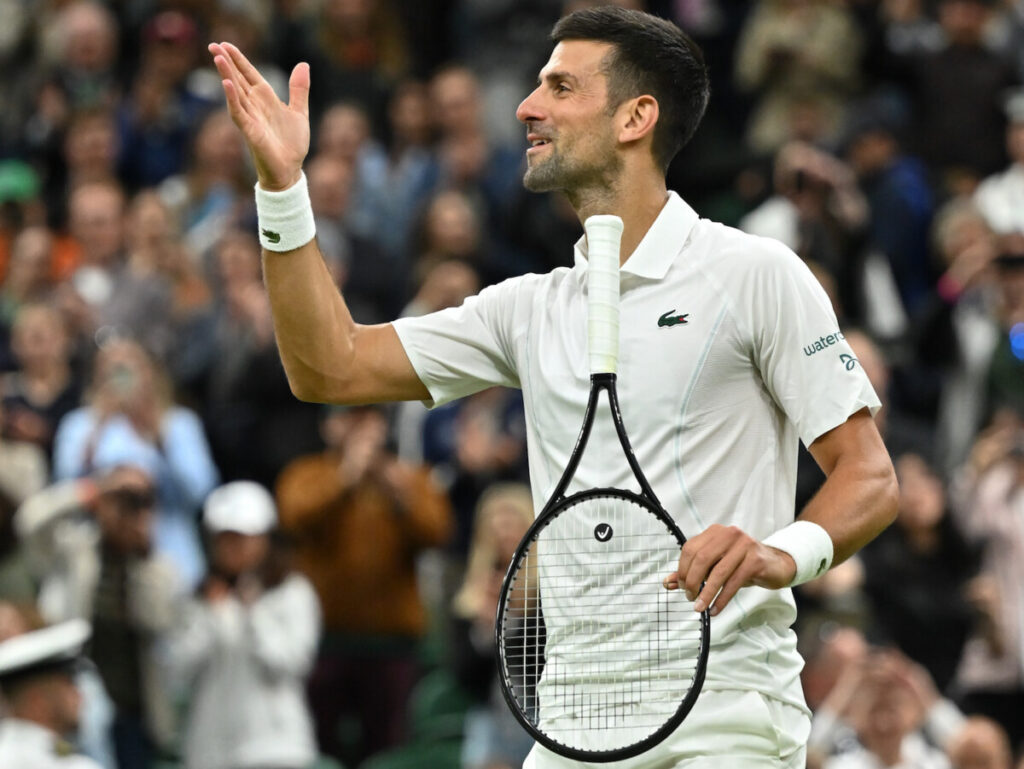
[
  {"x": 50, "y": 648},
  {"x": 242, "y": 506}
]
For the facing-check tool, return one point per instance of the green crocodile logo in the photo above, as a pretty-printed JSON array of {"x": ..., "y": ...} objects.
[
  {"x": 273, "y": 237},
  {"x": 669, "y": 319}
]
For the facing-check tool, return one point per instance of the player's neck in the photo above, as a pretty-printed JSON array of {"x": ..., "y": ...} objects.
[{"x": 637, "y": 201}]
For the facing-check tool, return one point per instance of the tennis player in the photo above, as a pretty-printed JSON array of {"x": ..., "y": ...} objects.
[{"x": 730, "y": 355}]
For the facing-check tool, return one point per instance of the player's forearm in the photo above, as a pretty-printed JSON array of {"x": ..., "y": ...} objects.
[
  {"x": 312, "y": 324},
  {"x": 856, "y": 503}
]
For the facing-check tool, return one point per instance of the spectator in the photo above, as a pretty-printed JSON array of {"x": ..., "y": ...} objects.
[
  {"x": 256, "y": 425},
  {"x": 990, "y": 680},
  {"x": 23, "y": 472},
  {"x": 28, "y": 275},
  {"x": 899, "y": 197},
  {"x": 334, "y": 504},
  {"x": 394, "y": 181},
  {"x": 930, "y": 616},
  {"x": 247, "y": 643},
  {"x": 957, "y": 332},
  {"x": 1006, "y": 372},
  {"x": 91, "y": 543},
  {"x": 819, "y": 211},
  {"x": 44, "y": 389},
  {"x": 96, "y": 225},
  {"x": 980, "y": 744},
  {"x": 80, "y": 49},
  {"x": 157, "y": 118},
  {"x": 801, "y": 59},
  {"x": 957, "y": 92},
  {"x": 355, "y": 261},
  {"x": 493, "y": 738},
  {"x": 360, "y": 50},
  {"x": 89, "y": 155},
  {"x": 129, "y": 416},
  {"x": 344, "y": 132},
  {"x": 42, "y": 702},
  {"x": 1000, "y": 197},
  {"x": 212, "y": 195}
]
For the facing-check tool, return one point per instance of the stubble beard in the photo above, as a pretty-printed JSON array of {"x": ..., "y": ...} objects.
[{"x": 560, "y": 172}]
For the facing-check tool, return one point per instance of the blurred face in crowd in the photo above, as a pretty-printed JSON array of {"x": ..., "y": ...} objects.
[
  {"x": 330, "y": 182},
  {"x": 343, "y": 130},
  {"x": 125, "y": 509},
  {"x": 350, "y": 17},
  {"x": 455, "y": 94},
  {"x": 238, "y": 259},
  {"x": 28, "y": 273},
  {"x": 568, "y": 122},
  {"x": 980, "y": 744},
  {"x": 90, "y": 147},
  {"x": 90, "y": 37},
  {"x": 409, "y": 114},
  {"x": 169, "y": 47},
  {"x": 963, "y": 21},
  {"x": 39, "y": 338},
  {"x": 922, "y": 498},
  {"x": 95, "y": 213},
  {"x": 219, "y": 150},
  {"x": 50, "y": 699},
  {"x": 148, "y": 226},
  {"x": 234, "y": 553},
  {"x": 124, "y": 378},
  {"x": 452, "y": 227}
]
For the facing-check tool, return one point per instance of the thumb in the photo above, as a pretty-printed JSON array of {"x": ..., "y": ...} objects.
[{"x": 298, "y": 89}]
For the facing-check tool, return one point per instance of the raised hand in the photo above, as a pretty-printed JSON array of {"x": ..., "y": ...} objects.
[{"x": 276, "y": 133}]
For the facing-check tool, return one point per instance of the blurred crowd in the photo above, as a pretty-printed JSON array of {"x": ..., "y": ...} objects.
[{"x": 278, "y": 584}]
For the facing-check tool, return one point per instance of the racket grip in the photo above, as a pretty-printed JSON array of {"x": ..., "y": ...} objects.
[{"x": 604, "y": 234}]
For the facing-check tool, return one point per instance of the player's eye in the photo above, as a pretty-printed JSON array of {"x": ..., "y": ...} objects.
[{"x": 562, "y": 87}]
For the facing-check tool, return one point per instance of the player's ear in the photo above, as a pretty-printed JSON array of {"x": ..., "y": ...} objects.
[{"x": 638, "y": 117}]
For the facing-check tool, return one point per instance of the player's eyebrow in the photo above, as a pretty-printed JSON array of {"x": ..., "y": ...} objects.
[{"x": 557, "y": 76}]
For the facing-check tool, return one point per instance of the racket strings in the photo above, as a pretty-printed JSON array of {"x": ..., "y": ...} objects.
[{"x": 594, "y": 646}]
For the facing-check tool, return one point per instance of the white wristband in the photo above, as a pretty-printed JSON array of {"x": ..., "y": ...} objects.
[
  {"x": 808, "y": 544},
  {"x": 285, "y": 217}
]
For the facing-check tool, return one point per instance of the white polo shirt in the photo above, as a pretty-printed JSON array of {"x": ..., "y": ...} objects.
[{"x": 730, "y": 354}]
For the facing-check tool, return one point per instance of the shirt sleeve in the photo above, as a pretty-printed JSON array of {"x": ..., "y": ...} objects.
[
  {"x": 462, "y": 350},
  {"x": 797, "y": 345}
]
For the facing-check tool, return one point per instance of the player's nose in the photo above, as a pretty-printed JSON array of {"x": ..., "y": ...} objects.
[{"x": 530, "y": 108}]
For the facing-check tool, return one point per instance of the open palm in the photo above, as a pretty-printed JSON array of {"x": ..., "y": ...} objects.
[{"x": 277, "y": 133}]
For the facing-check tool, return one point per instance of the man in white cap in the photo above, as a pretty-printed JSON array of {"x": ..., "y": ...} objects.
[
  {"x": 1001, "y": 196},
  {"x": 41, "y": 699},
  {"x": 247, "y": 643}
]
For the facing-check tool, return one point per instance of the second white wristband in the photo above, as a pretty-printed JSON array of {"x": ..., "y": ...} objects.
[
  {"x": 809, "y": 545},
  {"x": 285, "y": 217}
]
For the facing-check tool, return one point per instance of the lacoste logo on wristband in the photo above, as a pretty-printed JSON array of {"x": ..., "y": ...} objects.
[{"x": 273, "y": 237}]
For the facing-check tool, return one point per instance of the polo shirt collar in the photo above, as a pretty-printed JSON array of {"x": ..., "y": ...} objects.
[{"x": 660, "y": 245}]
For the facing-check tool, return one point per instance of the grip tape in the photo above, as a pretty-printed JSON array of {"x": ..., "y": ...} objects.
[{"x": 604, "y": 234}]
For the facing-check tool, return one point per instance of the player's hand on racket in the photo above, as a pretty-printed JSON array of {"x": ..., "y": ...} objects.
[
  {"x": 276, "y": 133},
  {"x": 723, "y": 559}
]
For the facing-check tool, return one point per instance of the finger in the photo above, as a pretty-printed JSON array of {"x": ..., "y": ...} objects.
[
  {"x": 236, "y": 110},
  {"x": 245, "y": 68},
  {"x": 298, "y": 89},
  {"x": 671, "y": 582},
  {"x": 229, "y": 74},
  {"x": 740, "y": 578},
  {"x": 719, "y": 575},
  {"x": 702, "y": 563}
]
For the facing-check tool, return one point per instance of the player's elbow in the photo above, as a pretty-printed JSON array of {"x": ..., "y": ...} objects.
[{"x": 888, "y": 494}]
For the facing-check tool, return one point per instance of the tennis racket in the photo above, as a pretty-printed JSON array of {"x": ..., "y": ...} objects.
[{"x": 597, "y": 659}]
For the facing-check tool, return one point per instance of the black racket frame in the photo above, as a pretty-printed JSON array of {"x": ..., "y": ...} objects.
[{"x": 558, "y": 502}]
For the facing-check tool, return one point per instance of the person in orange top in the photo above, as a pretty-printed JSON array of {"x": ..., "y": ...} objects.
[{"x": 359, "y": 516}]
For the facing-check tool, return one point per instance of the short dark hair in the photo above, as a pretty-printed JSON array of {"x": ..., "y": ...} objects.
[{"x": 651, "y": 56}]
